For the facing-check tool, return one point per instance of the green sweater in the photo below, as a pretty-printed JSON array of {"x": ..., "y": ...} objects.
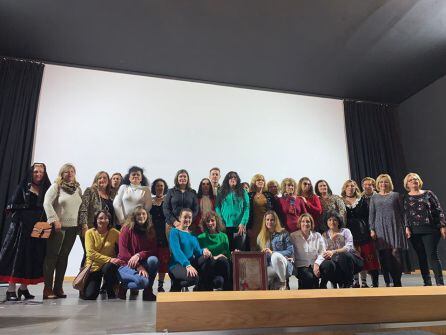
[
  {"x": 234, "y": 210},
  {"x": 216, "y": 243}
]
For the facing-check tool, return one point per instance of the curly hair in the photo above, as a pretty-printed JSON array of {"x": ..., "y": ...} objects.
[
  {"x": 220, "y": 227},
  {"x": 144, "y": 181}
]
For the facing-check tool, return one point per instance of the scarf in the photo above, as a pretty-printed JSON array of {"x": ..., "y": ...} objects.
[{"x": 69, "y": 188}]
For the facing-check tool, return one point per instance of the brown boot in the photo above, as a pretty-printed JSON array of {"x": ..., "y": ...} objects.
[
  {"x": 122, "y": 293},
  {"x": 48, "y": 293},
  {"x": 147, "y": 295},
  {"x": 60, "y": 293}
]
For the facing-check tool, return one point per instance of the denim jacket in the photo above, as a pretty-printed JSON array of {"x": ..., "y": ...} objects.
[{"x": 281, "y": 243}]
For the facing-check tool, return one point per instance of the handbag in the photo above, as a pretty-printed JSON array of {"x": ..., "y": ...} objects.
[
  {"x": 41, "y": 230},
  {"x": 82, "y": 277}
]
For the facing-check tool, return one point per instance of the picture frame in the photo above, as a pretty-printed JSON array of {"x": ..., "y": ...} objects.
[{"x": 249, "y": 271}]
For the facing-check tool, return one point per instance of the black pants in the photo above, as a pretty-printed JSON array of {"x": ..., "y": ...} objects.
[
  {"x": 340, "y": 269},
  {"x": 425, "y": 246},
  {"x": 392, "y": 263},
  {"x": 216, "y": 274},
  {"x": 238, "y": 242},
  {"x": 110, "y": 274},
  {"x": 307, "y": 279},
  {"x": 180, "y": 279}
]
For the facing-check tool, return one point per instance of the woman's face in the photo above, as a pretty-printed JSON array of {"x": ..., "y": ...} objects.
[
  {"x": 322, "y": 187},
  {"x": 272, "y": 188},
  {"x": 246, "y": 187},
  {"x": 159, "y": 188},
  {"x": 186, "y": 219},
  {"x": 270, "y": 222},
  {"x": 289, "y": 189},
  {"x": 182, "y": 179},
  {"x": 233, "y": 181},
  {"x": 38, "y": 173},
  {"x": 102, "y": 181},
  {"x": 260, "y": 183},
  {"x": 141, "y": 216},
  {"x": 333, "y": 224},
  {"x": 211, "y": 224},
  {"x": 384, "y": 185},
  {"x": 306, "y": 185},
  {"x": 136, "y": 177},
  {"x": 350, "y": 190},
  {"x": 69, "y": 175},
  {"x": 102, "y": 221},
  {"x": 205, "y": 187},
  {"x": 305, "y": 225},
  {"x": 116, "y": 181},
  {"x": 413, "y": 183},
  {"x": 367, "y": 186}
]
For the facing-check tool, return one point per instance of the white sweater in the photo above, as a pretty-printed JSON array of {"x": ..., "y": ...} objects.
[
  {"x": 61, "y": 206},
  {"x": 130, "y": 196}
]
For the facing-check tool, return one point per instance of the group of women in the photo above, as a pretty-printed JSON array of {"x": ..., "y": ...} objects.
[{"x": 131, "y": 232}]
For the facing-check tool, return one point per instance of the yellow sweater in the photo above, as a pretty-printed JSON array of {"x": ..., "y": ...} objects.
[{"x": 93, "y": 243}]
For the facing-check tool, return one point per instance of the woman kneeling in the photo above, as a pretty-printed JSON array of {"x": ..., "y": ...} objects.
[{"x": 137, "y": 248}]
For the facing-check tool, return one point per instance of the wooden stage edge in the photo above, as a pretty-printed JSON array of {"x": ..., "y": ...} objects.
[{"x": 210, "y": 311}]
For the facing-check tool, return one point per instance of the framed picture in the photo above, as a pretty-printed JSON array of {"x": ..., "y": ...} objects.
[{"x": 249, "y": 271}]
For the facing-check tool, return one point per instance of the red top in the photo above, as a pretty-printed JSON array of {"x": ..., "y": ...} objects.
[
  {"x": 131, "y": 243},
  {"x": 195, "y": 227},
  {"x": 314, "y": 208},
  {"x": 292, "y": 209}
]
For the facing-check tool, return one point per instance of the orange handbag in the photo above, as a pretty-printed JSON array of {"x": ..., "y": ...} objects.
[{"x": 41, "y": 230}]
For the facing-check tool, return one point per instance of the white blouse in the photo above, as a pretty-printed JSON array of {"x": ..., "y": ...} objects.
[
  {"x": 130, "y": 196},
  {"x": 307, "y": 251}
]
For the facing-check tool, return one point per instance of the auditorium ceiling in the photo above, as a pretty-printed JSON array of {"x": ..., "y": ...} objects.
[{"x": 378, "y": 50}]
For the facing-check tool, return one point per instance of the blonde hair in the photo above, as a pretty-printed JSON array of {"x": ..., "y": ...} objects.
[
  {"x": 381, "y": 177},
  {"x": 131, "y": 220},
  {"x": 252, "y": 186},
  {"x": 288, "y": 181},
  {"x": 305, "y": 215},
  {"x": 273, "y": 182},
  {"x": 416, "y": 176},
  {"x": 265, "y": 236},
  {"x": 94, "y": 185},
  {"x": 63, "y": 169},
  {"x": 357, "y": 193},
  {"x": 368, "y": 179}
]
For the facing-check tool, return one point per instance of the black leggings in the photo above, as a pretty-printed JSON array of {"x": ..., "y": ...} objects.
[
  {"x": 340, "y": 269},
  {"x": 307, "y": 278},
  {"x": 110, "y": 273},
  {"x": 392, "y": 262},
  {"x": 216, "y": 274},
  {"x": 425, "y": 246},
  {"x": 179, "y": 277},
  {"x": 238, "y": 242}
]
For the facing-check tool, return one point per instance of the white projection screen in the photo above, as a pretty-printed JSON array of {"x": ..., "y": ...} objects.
[{"x": 101, "y": 120}]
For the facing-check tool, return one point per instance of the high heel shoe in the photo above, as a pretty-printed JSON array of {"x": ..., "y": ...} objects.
[
  {"x": 11, "y": 296},
  {"x": 25, "y": 293}
]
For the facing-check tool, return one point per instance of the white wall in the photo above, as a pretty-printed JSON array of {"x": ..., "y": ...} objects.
[{"x": 102, "y": 120}]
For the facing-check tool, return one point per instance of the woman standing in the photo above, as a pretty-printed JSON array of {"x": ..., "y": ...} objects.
[
  {"x": 329, "y": 201},
  {"x": 386, "y": 227},
  {"x": 260, "y": 201},
  {"x": 137, "y": 251},
  {"x": 312, "y": 202},
  {"x": 115, "y": 181},
  {"x": 340, "y": 251},
  {"x": 292, "y": 207},
  {"x": 159, "y": 190},
  {"x": 206, "y": 204},
  {"x": 273, "y": 187},
  {"x": 358, "y": 223},
  {"x": 62, "y": 202},
  {"x": 180, "y": 196},
  {"x": 95, "y": 198},
  {"x": 274, "y": 241},
  {"x": 425, "y": 224},
  {"x": 309, "y": 248},
  {"x": 134, "y": 191},
  {"x": 101, "y": 243},
  {"x": 21, "y": 256},
  {"x": 214, "y": 239},
  {"x": 188, "y": 259},
  {"x": 232, "y": 206}
]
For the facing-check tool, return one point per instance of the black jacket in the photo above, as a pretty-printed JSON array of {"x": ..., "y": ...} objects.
[{"x": 176, "y": 200}]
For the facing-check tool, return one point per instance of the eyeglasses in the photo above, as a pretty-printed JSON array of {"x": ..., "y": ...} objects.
[{"x": 306, "y": 183}]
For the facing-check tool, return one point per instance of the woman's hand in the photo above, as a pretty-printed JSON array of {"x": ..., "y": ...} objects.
[
  {"x": 142, "y": 271},
  {"x": 443, "y": 233},
  {"x": 316, "y": 270},
  {"x": 191, "y": 272},
  {"x": 219, "y": 256},
  {"x": 328, "y": 254},
  {"x": 241, "y": 229},
  {"x": 373, "y": 235},
  {"x": 206, "y": 253},
  {"x": 133, "y": 261},
  {"x": 267, "y": 251},
  {"x": 408, "y": 233},
  {"x": 57, "y": 226}
]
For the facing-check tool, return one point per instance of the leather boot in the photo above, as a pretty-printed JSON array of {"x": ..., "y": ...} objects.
[
  {"x": 147, "y": 295},
  {"x": 48, "y": 293}
]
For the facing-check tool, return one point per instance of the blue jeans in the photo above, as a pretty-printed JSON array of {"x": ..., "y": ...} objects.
[{"x": 131, "y": 279}]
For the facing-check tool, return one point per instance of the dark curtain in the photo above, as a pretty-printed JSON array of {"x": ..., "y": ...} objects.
[
  {"x": 374, "y": 142},
  {"x": 19, "y": 96}
]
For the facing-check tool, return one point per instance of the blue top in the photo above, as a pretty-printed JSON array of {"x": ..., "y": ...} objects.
[{"x": 183, "y": 247}]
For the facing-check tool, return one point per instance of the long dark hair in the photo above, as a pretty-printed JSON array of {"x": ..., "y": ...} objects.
[
  {"x": 126, "y": 180},
  {"x": 226, "y": 189},
  {"x": 28, "y": 179},
  {"x": 316, "y": 187},
  {"x": 153, "y": 189},
  {"x": 200, "y": 189}
]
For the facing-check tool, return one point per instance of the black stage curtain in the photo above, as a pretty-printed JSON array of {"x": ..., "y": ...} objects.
[
  {"x": 373, "y": 140},
  {"x": 20, "y": 83}
]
